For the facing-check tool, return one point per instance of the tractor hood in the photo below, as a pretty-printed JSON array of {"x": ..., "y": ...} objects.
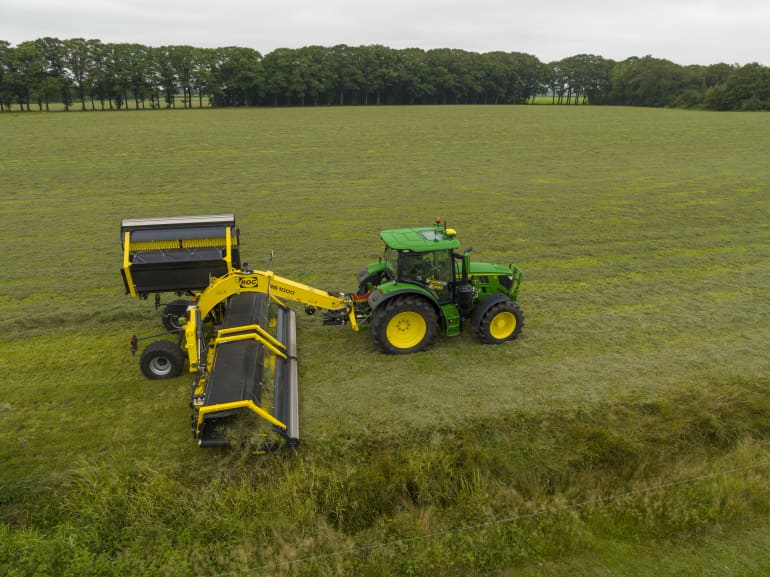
[{"x": 488, "y": 268}]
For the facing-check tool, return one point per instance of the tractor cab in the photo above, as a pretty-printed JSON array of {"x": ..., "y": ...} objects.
[{"x": 422, "y": 256}]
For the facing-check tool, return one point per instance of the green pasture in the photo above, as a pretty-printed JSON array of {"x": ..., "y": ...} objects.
[{"x": 644, "y": 240}]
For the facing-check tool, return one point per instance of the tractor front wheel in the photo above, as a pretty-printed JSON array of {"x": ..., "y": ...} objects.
[
  {"x": 501, "y": 322},
  {"x": 404, "y": 325},
  {"x": 162, "y": 360}
]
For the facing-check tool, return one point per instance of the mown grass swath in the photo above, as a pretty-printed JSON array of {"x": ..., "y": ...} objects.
[{"x": 643, "y": 363}]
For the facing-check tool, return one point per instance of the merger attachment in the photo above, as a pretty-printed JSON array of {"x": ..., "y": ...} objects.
[
  {"x": 235, "y": 334},
  {"x": 233, "y": 380}
]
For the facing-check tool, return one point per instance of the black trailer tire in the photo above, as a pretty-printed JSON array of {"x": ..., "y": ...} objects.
[
  {"x": 502, "y": 321},
  {"x": 174, "y": 311},
  {"x": 162, "y": 360},
  {"x": 403, "y": 325}
]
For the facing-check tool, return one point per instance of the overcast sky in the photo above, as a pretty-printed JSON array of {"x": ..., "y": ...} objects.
[{"x": 684, "y": 31}]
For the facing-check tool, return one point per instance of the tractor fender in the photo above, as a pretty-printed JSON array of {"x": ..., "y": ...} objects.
[
  {"x": 378, "y": 298},
  {"x": 483, "y": 306}
]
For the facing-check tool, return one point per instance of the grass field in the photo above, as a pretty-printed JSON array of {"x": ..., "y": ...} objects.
[{"x": 625, "y": 432}]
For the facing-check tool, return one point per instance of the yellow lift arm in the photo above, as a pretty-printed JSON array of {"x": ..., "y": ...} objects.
[{"x": 267, "y": 282}]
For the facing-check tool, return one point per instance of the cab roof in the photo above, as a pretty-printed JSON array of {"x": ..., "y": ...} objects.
[{"x": 425, "y": 239}]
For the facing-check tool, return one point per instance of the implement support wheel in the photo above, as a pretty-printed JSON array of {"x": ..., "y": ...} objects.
[
  {"x": 403, "y": 325},
  {"x": 162, "y": 360}
]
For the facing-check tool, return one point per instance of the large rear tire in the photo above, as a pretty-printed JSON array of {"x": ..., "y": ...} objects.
[
  {"x": 162, "y": 360},
  {"x": 501, "y": 322},
  {"x": 403, "y": 325}
]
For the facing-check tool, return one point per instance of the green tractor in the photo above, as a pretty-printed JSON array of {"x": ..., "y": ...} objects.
[{"x": 422, "y": 286}]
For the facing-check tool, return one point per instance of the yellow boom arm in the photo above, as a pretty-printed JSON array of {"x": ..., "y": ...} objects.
[{"x": 267, "y": 282}]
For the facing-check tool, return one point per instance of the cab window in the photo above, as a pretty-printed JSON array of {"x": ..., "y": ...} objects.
[{"x": 434, "y": 268}]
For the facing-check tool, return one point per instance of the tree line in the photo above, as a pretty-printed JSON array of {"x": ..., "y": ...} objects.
[{"x": 91, "y": 75}]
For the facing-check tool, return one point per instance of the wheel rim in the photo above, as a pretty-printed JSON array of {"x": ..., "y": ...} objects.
[
  {"x": 502, "y": 325},
  {"x": 160, "y": 366},
  {"x": 406, "y": 330}
]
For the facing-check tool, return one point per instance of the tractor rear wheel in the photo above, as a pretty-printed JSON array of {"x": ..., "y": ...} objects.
[
  {"x": 501, "y": 322},
  {"x": 173, "y": 312},
  {"x": 404, "y": 325},
  {"x": 162, "y": 360}
]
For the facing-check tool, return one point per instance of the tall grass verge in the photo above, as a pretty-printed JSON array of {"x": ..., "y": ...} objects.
[{"x": 519, "y": 491}]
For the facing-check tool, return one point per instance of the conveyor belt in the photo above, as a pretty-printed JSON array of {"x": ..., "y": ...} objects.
[
  {"x": 236, "y": 372},
  {"x": 237, "y": 367},
  {"x": 246, "y": 309}
]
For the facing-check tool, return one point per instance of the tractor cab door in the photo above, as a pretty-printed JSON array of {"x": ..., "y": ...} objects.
[{"x": 432, "y": 269}]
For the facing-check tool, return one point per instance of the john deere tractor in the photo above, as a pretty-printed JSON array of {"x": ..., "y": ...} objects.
[{"x": 422, "y": 286}]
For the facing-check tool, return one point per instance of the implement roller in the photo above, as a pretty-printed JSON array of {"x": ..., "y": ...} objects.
[{"x": 232, "y": 327}]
